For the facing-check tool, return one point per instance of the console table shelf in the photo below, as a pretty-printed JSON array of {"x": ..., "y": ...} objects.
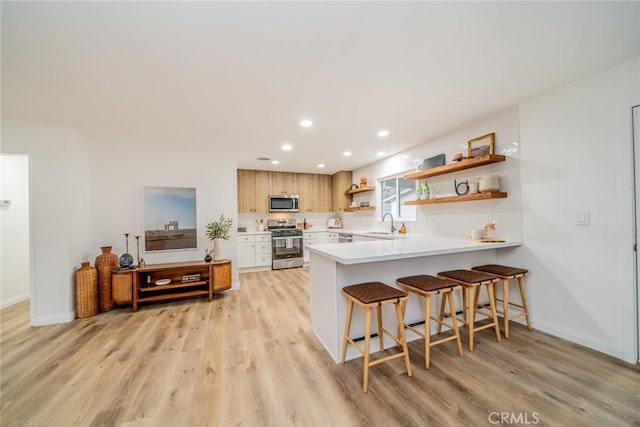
[{"x": 214, "y": 276}]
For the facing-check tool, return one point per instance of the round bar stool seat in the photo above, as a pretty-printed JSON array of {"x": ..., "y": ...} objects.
[
  {"x": 370, "y": 295},
  {"x": 506, "y": 274},
  {"x": 428, "y": 286},
  {"x": 472, "y": 282}
]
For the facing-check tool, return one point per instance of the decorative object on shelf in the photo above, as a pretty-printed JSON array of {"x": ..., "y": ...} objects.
[
  {"x": 217, "y": 231},
  {"x": 105, "y": 264},
  {"x": 86, "y": 291},
  {"x": 363, "y": 181},
  {"x": 138, "y": 249},
  {"x": 162, "y": 282},
  {"x": 364, "y": 204},
  {"x": 432, "y": 162},
  {"x": 126, "y": 260},
  {"x": 142, "y": 264},
  {"x": 488, "y": 183},
  {"x": 484, "y": 145},
  {"x": 353, "y": 187},
  {"x": 462, "y": 187},
  {"x": 169, "y": 218},
  {"x": 474, "y": 187},
  {"x": 457, "y": 157},
  {"x": 207, "y": 255}
]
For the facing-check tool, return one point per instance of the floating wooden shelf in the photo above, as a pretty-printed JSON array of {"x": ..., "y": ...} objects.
[
  {"x": 361, "y": 208},
  {"x": 455, "y": 167},
  {"x": 453, "y": 199},
  {"x": 361, "y": 190}
]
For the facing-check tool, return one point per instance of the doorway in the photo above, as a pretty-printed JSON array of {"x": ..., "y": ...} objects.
[{"x": 15, "y": 258}]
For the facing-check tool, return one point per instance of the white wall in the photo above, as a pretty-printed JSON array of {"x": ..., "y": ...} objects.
[
  {"x": 14, "y": 230},
  {"x": 59, "y": 212},
  {"x": 577, "y": 157},
  {"x": 85, "y": 194},
  {"x": 119, "y": 173},
  {"x": 454, "y": 219}
]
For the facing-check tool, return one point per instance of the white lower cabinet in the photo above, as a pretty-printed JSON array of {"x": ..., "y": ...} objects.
[
  {"x": 332, "y": 237},
  {"x": 246, "y": 255},
  {"x": 308, "y": 238},
  {"x": 254, "y": 250}
]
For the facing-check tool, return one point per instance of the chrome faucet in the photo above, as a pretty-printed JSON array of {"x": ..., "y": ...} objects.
[{"x": 392, "y": 227}]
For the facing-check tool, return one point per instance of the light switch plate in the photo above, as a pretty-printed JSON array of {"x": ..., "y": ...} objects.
[{"x": 582, "y": 218}]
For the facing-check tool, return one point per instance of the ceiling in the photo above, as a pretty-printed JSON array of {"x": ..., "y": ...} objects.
[{"x": 239, "y": 76}]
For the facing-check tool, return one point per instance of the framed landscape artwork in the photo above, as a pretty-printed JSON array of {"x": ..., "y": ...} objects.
[
  {"x": 169, "y": 218},
  {"x": 481, "y": 146}
]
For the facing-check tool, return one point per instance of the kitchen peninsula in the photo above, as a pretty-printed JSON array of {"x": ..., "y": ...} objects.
[{"x": 334, "y": 266}]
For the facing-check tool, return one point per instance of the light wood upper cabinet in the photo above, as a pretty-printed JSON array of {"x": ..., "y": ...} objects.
[
  {"x": 315, "y": 192},
  {"x": 341, "y": 182},
  {"x": 318, "y": 193},
  {"x": 284, "y": 183},
  {"x": 253, "y": 189}
]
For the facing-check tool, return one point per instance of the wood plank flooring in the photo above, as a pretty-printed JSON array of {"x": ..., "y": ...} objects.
[{"x": 250, "y": 358}]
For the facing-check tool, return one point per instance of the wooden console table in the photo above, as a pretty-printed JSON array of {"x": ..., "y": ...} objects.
[{"x": 186, "y": 279}]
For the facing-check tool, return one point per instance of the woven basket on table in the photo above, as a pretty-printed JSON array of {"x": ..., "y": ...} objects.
[
  {"x": 105, "y": 264},
  {"x": 86, "y": 291}
]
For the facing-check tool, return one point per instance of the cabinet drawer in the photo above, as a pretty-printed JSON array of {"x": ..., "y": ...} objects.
[
  {"x": 246, "y": 239},
  {"x": 263, "y": 248},
  {"x": 263, "y": 238},
  {"x": 263, "y": 260}
]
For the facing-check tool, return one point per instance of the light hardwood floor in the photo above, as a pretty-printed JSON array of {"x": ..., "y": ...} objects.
[{"x": 250, "y": 358}]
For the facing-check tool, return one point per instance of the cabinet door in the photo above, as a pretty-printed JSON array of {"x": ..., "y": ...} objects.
[
  {"x": 261, "y": 186},
  {"x": 283, "y": 183},
  {"x": 246, "y": 193},
  {"x": 246, "y": 255},
  {"x": 305, "y": 186},
  {"x": 322, "y": 237},
  {"x": 341, "y": 182},
  {"x": 322, "y": 186}
]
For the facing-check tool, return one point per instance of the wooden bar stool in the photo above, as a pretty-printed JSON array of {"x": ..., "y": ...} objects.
[
  {"x": 505, "y": 274},
  {"x": 472, "y": 282},
  {"x": 428, "y": 286},
  {"x": 367, "y": 296}
]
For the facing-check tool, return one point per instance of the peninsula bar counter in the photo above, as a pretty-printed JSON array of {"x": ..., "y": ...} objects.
[{"x": 336, "y": 265}]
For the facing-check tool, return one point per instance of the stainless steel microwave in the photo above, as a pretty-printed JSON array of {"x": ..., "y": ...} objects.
[{"x": 284, "y": 203}]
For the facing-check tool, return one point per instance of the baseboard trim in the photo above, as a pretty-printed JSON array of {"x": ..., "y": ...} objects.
[
  {"x": 53, "y": 319},
  {"x": 578, "y": 338},
  {"x": 13, "y": 301}
]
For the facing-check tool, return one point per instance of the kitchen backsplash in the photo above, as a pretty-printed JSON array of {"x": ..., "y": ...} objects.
[{"x": 316, "y": 220}]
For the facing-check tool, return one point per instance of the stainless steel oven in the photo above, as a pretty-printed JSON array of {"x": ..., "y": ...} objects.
[{"x": 286, "y": 243}]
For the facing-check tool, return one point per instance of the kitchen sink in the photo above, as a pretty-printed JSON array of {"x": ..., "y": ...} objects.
[{"x": 385, "y": 233}]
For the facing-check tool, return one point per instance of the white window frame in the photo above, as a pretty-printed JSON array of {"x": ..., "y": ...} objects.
[{"x": 396, "y": 213}]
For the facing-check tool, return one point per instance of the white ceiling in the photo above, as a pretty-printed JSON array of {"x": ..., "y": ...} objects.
[{"x": 239, "y": 76}]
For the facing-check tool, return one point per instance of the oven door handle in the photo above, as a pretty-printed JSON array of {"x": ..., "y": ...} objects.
[{"x": 279, "y": 238}]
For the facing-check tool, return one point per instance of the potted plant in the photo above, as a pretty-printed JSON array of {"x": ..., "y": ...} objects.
[{"x": 217, "y": 231}]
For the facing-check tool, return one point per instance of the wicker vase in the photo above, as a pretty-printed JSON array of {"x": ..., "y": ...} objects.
[
  {"x": 105, "y": 264},
  {"x": 86, "y": 291}
]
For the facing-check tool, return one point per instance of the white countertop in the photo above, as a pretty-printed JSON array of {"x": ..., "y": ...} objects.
[{"x": 408, "y": 247}]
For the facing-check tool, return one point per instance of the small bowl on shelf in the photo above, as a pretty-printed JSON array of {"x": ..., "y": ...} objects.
[{"x": 162, "y": 282}]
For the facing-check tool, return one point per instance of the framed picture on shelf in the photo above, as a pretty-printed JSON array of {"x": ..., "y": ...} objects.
[
  {"x": 169, "y": 219},
  {"x": 481, "y": 146}
]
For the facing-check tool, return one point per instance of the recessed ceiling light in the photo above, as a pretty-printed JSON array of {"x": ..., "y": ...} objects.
[
  {"x": 286, "y": 147},
  {"x": 347, "y": 153},
  {"x": 381, "y": 153},
  {"x": 275, "y": 162},
  {"x": 383, "y": 133},
  {"x": 306, "y": 123},
  {"x": 320, "y": 165}
]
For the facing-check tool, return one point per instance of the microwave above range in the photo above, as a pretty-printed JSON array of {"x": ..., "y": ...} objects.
[{"x": 284, "y": 203}]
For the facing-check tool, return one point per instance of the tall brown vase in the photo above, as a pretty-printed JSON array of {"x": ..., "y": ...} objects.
[
  {"x": 86, "y": 291},
  {"x": 105, "y": 264}
]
